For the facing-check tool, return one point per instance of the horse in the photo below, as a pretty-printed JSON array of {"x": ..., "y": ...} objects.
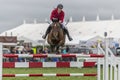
[{"x": 56, "y": 37}]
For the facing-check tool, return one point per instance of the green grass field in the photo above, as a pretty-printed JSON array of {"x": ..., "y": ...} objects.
[{"x": 48, "y": 70}]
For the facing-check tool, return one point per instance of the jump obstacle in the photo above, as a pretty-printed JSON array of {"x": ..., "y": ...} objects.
[
  {"x": 53, "y": 55},
  {"x": 50, "y": 74},
  {"x": 105, "y": 67},
  {"x": 47, "y": 64}
]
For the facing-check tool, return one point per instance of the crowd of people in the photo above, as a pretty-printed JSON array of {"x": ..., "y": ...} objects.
[{"x": 29, "y": 50}]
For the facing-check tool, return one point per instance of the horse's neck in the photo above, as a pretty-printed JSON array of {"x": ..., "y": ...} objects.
[
  {"x": 56, "y": 26},
  {"x": 56, "y": 23}
]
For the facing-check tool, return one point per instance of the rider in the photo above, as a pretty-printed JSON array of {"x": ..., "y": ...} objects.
[{"x": 59, "y": 14}]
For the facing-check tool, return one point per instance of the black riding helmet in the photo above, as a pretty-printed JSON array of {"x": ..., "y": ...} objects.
[{"x": 60, "y": 6}]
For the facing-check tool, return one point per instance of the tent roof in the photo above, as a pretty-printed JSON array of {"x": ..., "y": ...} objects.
[{"x": 78, "y": 30}]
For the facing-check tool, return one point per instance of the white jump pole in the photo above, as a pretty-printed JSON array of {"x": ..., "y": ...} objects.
[
  {"x": 1, "y": 61},
  {"x": 111, "y": 70},
  {"x": 106, "y": 58},
  {"x": 119, "y": 71},
  {"x": 102, "y": 61},
  {"x": 98, "y": 64},
  {"x": 115, "y": 70}
]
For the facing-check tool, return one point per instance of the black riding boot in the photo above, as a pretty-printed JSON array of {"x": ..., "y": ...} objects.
[
  {"x": 66, "y": 31},
  {"x": 47, "y": 31}
]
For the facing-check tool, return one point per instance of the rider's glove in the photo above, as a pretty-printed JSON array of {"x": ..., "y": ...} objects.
[{"x": 55, "y": 19}]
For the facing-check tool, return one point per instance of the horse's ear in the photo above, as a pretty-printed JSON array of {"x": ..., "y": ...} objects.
[{"x": 52, "y": 24}]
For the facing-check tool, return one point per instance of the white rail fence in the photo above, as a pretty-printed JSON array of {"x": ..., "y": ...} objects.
[{"x": 104, "y": 59}]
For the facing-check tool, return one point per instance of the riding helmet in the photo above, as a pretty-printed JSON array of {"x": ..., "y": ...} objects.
[{"x": 60, "y": 6}]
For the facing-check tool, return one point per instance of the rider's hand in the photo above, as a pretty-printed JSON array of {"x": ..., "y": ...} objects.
[
  {"x": 60, "y": 21},
  {"x": 55, "y": 19}
]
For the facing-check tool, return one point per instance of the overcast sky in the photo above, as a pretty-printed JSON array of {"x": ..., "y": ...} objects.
[{"x": 13, "y": 12}]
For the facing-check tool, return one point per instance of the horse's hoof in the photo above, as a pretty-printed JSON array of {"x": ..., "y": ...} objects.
[{"x": 57, "y": 52}]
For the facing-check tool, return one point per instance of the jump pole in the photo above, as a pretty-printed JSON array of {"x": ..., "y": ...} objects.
[
  {"x": 106, "y": 58},
  {"x": 119, "y": 70},
  {"x": 98, "y": 64},
  {"x": 47, "y": 64},
  {"x": 53, "y": 55},
  {"x": 1, "y": 55},
  {"x": 48, "y": 74}
]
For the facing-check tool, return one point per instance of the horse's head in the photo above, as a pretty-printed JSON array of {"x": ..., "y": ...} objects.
[{"x": 55, "y": 31}]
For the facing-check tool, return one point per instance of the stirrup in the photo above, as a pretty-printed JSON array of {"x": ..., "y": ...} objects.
[
  {"x": 43, "y": 37},
  {"x": 70, "y": 39}
]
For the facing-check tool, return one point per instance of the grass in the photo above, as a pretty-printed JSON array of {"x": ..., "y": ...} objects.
[{"x": 48, "y": 70}]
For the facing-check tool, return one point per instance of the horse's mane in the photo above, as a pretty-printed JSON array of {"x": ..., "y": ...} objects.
[{"x": 56, "y": 23}]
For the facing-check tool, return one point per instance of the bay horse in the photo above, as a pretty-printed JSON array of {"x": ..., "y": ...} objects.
[{"x": 56, "y": 37}]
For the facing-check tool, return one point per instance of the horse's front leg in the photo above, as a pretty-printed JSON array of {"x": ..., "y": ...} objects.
[
  {"x": 52, "y": 48},
  {"x": 57, "y": 49},
  {"x": 61, "y": 41}
]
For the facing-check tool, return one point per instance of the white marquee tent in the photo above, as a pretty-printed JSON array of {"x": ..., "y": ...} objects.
[{"x": 83, "y": 30}]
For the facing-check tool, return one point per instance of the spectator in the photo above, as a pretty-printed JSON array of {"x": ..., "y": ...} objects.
[
  {"x": 46, "y": 50},
  {"x": 90, "y": 52},
  {"x": 40, "y": 50},
  {"x": 17, "y": 51},
  {"x": 30, "y": 51},
  {"x": 13, "y": 51},
  {"x": 67, "y": 49},
  {"x": 64, "y": 50}
]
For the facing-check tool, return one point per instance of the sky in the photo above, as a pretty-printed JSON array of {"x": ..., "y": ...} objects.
[{"x": 13, "y": 12}]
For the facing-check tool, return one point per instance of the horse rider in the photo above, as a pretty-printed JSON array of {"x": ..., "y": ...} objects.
[{"x": 58, "y": 13}]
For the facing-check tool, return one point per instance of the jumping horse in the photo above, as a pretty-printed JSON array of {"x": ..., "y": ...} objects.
[{"x": 56, "y": 37}]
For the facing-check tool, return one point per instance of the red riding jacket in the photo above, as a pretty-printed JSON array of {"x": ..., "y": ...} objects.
[{"x": 55, "y": 14}]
